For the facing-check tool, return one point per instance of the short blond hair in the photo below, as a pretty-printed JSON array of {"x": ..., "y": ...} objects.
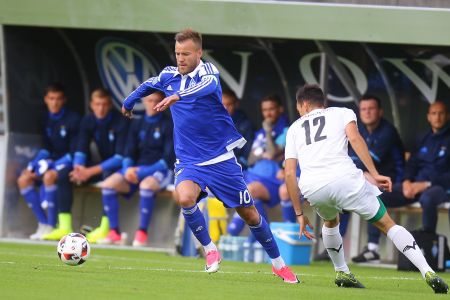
[
  {"x": 101, "y": 93},
  {"x": 189, "y": 34}
]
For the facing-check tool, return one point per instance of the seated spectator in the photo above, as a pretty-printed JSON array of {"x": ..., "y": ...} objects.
[
  {"x": 386, "y": 149},
  {"x": 264, "y": 160},
  {"x": 51, "y": 166},
  {"x": 107, "y": 129},
  {"x": 149, "y": 156},
  {"x": 426, "y": 176},
  {"x": 242, "y": 123}
]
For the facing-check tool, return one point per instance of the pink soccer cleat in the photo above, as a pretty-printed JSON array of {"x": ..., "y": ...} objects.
[
  {"x": 286, "y": 274},
  {"x": 113, "y": 238},
  {"x": 140, "y": 238},
  {"x": 212, "y": 261}
]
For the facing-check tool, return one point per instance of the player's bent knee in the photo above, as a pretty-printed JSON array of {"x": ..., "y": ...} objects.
[
  {"x": 149, "y": 183},
  {"x": 24, "y": 181},
  {"x": 50, "y": 177},
  {"x": 186, "y": 200}
]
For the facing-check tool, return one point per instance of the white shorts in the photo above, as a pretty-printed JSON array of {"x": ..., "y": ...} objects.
[{"x": 352, "y": 193}]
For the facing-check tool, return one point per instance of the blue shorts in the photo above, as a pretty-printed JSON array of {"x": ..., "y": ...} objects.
[
  {"x": 271, "y": 184},
  {"x": 224, "y": 179},
  {"x": 163, "y": 177}
]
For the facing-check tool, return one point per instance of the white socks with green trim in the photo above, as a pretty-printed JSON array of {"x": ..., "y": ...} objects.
[
  {"x": 332, "y": 240},
  {"x": 406, "y": 244}
]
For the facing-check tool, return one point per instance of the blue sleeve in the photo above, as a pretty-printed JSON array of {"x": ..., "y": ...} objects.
[
  {"x": 144, "y": 171},
  {"x": 42, "y": 154},
  {"x": 79, "y": 159},
  {"x": 281, "y": 139},
  {"x": 112, "y": 163},
  {"x": 63, "y": 162},
  {"x": 148, "y": 87},
  {"x": 127, "y": 162},
  {"x": 206, "y": 86}
]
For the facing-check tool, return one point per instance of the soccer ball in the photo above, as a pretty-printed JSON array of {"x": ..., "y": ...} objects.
[{"x": 73, "y": 249}]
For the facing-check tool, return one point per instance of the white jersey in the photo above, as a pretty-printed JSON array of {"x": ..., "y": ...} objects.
[{"x": 319, "y": 142}]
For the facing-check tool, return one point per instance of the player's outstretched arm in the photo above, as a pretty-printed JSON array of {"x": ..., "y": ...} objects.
[
  {"x": 294, "y": 194},
  {"x": 148, "y": 87},
  {"x": 361, "y": 149}
]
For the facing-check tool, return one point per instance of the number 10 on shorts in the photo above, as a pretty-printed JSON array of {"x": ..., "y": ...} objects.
[{"x": 244, "y": 197}]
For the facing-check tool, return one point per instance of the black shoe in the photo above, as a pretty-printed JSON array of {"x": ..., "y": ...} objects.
[
  {"x": 436, "y": 283},
  {"x": 347, "y": 280},
  {"x": 322, "y": 256},
  {"x": 367, "y": 256}
]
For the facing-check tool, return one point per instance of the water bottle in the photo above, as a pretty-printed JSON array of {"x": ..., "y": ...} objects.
[
  {"x": 248, "y": 251},
  {"x": 235, "y": 248},
  {"x": 258, "y": 253},
  {"x": 227, "y": 248},
  {"x": 240, "y": 248}
]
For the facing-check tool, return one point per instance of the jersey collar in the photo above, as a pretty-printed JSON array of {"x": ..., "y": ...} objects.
[{"x": 193, "y": 73}]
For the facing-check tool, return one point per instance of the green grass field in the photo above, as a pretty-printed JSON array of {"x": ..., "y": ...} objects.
[{"x": 29, "y": 271}]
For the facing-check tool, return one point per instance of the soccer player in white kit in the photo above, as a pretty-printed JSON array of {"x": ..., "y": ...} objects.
[{"x": 330, "y": 181}]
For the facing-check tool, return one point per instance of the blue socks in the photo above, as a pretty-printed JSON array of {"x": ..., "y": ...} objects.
[
  {"x": 196, "y": 221},
  {"x": 236, "y": 225},
  {"x": 146, "y": 207},
  {"x": 32, "y": 199},
  {"x": 111, "y": 207},
  {"x": 52, "y": 210},
  {"x": 262, "y": 212},
  {"x": 287, "y": 211},
  {"x": 264, "y": 236}
]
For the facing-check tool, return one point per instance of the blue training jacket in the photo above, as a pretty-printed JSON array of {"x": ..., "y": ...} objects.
[
  {"x": 431, "y": 160},
  {"x": 386, "y": 149}
]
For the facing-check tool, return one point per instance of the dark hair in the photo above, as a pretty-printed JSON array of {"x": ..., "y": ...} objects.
[
  {"x": 311, "y": 93},
  {"x": 368, "y": 97},
  {"x": 273, "y": 98},
  {"x": 230, "y": 93},
  {"x": 55, "y": 88},
  {"x": 189, "y": 34},
  {"x": 101, "y": 93}
]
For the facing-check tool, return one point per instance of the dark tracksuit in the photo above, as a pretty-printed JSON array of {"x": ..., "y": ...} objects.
[
  {"x": 109, "y": 135},
  {"x": 431, "y": 162},
  {"x": 386, "y": 150},
  {"x": 60, "y": 138},
  {"x": 149, "y": 140}
]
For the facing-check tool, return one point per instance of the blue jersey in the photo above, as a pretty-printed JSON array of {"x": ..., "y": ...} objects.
[
  {"x": 203, "y": 129},
  {"x": 431, "y": 161},
  {"x": 60, "y": 133},
  {"x": 386, "y": 149},
  {"x": 109, "y": 135},
  {"x": 265, "y": 167},
  {"x": 150, "y": 139}
]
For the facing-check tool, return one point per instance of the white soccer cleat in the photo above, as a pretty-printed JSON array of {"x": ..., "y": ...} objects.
[
  {"x": 42, "y": 230},
  {"x": 212, "y": 261}
]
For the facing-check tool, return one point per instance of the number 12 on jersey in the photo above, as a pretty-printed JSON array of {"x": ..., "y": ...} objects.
[{"x": 317, "y": 122}]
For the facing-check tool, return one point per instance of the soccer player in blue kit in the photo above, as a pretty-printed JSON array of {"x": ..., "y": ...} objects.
[{"x": 204, "y": 139}]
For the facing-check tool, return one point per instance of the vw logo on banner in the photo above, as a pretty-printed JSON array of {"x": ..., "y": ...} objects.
[{"x": 123, "y": 66}]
